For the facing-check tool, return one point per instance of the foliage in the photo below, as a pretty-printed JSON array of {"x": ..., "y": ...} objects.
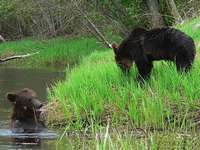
[
  {"x": 129, "y": 13},
  {"x": 186, "y": 9},
  {"x": 50, "y": 18}
]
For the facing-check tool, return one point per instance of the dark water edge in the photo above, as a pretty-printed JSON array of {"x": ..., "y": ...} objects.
[{"x": 12, "y": 79}]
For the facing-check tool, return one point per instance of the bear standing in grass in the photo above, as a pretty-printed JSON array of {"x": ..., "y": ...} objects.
[
  {"x": 26, "y": 112},
  {"x": 143, "y": 47}
]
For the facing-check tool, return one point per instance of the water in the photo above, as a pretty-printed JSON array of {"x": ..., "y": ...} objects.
[{"x": 12, "y": 79}]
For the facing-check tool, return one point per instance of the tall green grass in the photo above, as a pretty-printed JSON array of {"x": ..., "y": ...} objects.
[
  {"x": 56, "y": 52},
  {"x": 96, "y": 92}
]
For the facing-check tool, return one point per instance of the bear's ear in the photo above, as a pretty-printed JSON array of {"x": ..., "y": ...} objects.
[
  {"x": 11, "y": 96},
  {"x": 115, "y": 47}
]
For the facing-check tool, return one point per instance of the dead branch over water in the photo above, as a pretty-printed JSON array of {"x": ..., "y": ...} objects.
[{"x": 17, "y": 57}]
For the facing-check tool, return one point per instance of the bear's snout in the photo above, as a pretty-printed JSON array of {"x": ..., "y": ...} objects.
[
  {"x": 27, "y": 110},
  {"x": 36, "y": 103}
]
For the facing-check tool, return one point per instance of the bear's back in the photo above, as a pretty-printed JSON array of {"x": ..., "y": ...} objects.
[{"x": 165, "y": 39}]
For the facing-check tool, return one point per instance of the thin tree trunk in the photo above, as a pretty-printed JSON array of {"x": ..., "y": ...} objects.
[
  {"x": 174, "y": 11},
  {"x": 156, "y": 17}
]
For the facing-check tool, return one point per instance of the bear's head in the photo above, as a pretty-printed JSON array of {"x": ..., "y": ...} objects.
[
  {"x": 122, "y": 59},
  {"x": 26, "y": 111},
  {"x": 130, "y": 49}
]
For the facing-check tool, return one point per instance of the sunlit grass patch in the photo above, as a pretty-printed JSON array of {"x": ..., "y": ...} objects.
[{"x": 97, "y": 84}]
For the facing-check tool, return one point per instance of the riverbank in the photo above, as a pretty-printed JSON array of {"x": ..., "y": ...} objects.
[
  {"x": 97, "y": 99},
  {"x": 53, "y": 53},
  {"x": 96, "y": 93}
]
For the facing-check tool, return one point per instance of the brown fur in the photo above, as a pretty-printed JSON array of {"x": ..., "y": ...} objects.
[
  {"x": 26, "y": 111},
  {"x": 143, "y": 47}
]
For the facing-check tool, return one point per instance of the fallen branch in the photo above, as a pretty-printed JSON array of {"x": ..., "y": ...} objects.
[
  {"x": 17, "y": 57},
  {"x": 93, "y": 26}
]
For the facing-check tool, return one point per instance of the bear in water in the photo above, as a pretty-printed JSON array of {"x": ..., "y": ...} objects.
[{"x": 27, "y": 111}]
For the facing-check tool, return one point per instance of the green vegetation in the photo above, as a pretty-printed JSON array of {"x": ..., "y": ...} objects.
[
  {"x": 58, "y": 52},
  {"x": 97, "y": 90},
  {"x": 135, "y": 140},
  {"x": 96, "y": 93},
  {"x": 51, "y": 18}
]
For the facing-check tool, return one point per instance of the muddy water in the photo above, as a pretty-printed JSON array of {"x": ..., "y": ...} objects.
[{"x": 12, "y": 79}]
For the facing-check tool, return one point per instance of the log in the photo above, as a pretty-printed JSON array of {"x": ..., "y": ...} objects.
[{"x": 17, "y": 57}]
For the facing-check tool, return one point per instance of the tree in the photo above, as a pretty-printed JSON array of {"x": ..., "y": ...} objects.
[
  {"x": 174, "y": 11},
  {"x": 156, "y": 17}
]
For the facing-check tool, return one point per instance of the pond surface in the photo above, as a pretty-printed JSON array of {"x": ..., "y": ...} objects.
[{"x": 12, "y": 79}]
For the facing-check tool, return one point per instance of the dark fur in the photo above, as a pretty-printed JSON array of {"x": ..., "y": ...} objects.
[
  {"x": 143, "y": 47},
  {"x": 26, "y": 112}
]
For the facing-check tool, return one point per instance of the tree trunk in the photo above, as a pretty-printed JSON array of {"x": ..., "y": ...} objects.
[
  {"x": 2, "y": 39},
  {"x": 174, "y": 11},
  {"x": 156, "y": 17}
]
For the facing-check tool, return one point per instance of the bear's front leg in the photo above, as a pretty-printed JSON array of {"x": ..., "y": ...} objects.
[{"x": 144, "y": 67}]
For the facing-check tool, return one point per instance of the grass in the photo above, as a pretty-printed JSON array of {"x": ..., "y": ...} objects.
[
  {"x": 97, "y": 89},
  {"x": 190, "y": 27},
  {"x": 96, "y": 93},
  {"x": 58, "y": 52},
  {"x": 136, "y": 141}
]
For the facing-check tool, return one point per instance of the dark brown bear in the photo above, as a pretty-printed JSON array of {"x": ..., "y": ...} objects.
[
  {"x": 26, "y": 112},
  {"x": 143, "y": 47}
]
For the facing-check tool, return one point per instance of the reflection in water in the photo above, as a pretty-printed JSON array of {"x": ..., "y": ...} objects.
[
  {"x": 26, "y": 139},
  {"x": 27, "y": 142},
  {"x": 15, "y": 79}
]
